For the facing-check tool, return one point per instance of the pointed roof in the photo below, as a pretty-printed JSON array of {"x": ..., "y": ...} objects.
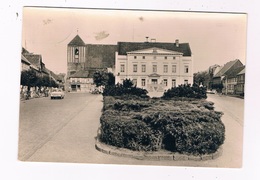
[
  {"x": 233, "y": 73},
  {"x": 242, "y": 72},
  {"x": 227, "y": 67},
  {"x": 25, "y": 60},
  {"x": 77, "y": 41},
  {"x": 34, "y": 59}
]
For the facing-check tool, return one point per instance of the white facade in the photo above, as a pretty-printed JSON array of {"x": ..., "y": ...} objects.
[{"x": 154, "y": 69}]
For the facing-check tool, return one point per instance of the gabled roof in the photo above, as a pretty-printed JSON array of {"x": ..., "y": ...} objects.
[
  {"x": 227, "y": 67},
  {"x": 124, "y": 47},
  {"x": 34, "y": 59},
  {"x": 233, "y": 73},
  {"x": 24, "y": 60},
  {"x": 77, "y": 41},
  {"x": 242, "y": 72}
]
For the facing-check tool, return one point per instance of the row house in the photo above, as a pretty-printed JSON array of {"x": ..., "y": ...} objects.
[
  {"x": 230, "y": 80},
  {"x": 240, "y": 86},
  {"x": 154, "y": 66},
  {"x": 225, "y": 78},
  {"x": 31, "y": 61}
]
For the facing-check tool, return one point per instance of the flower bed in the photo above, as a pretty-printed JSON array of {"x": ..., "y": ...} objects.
[{"x": 186, "y": 126}]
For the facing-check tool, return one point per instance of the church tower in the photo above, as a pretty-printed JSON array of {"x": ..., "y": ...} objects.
[{"x": 76, "y": 56}]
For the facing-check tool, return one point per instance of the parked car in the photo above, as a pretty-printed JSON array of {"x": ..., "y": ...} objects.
[{"x": 57, "y": 93}]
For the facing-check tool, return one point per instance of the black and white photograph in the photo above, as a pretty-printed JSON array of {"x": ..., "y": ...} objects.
[
  {"x": 132, "y": 87},
  {"x": 129, "y": 90}
]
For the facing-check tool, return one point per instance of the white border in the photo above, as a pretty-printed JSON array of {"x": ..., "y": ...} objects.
[{"x": 11, "y": 21}]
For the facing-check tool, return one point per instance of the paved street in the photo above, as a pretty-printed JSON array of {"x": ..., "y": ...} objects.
[{"x": 65, "y": 131}]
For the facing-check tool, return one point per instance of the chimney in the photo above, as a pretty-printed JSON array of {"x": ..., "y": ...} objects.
[
  {"x": 177, "y": 43},
  {"x": 147, "y": 39}
]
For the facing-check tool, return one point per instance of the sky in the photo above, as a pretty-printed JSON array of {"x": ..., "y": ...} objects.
[{"x": 214, "y": 38}]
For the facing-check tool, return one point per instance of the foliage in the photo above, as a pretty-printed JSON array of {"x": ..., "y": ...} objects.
[
  {"x": 28, "y": 78},
  {"x": 31, "y": 79},
  {"x": 102, "y": 78},
  {"x": 151, "y": 124},
  {"x": 127, "y": 88},
  {"x": 218, "y": 87},
  {"x": 186, "y": 91},
  {"x": 201, "y": 78}
]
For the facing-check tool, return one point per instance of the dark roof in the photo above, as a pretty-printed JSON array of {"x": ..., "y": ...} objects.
[
  {"x": 124, "y": 47},
  {"x": 80, "y": 74},
  {"x": 77, "y": 41},
  {"x": 103, "y": 53},
  {"x": 233, "y": 73},
  {"x": 35, "y": 59},
  {"x": 24, "y": 51},
  {"x": 25, "y": 60},
  {"x": 227, "y": 67}
]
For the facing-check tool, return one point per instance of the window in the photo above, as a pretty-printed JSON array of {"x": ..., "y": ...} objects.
[
  {"x": 143, "y": 67},
  {"x": 143, "y": 57},
  {"x": 174, "y": 57},
  {"x": 174, "y": 83},
  {"x": 134, "y": 82},
  {"x": 165, "y": 68},
  {"x": 165, "y": 82},
  {"x": 154, "y": 68},
  {"x": 135, "y": 68},
  {"x": 135, "y": 57},
  {"x": 186, "y": 82},
  {"x": 76, "y": 53},
  {"x": 186, "y": 69},
  {"x": 154, "y": 81},
  {"x": 143, "y": 82},
  {"x": 165, "y": 57},
  {"x": 174, "y": 68},
  {"x": 122, "y": 68}
]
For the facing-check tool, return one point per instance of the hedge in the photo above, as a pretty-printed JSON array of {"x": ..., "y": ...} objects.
[{"x": 191, "y": 127}]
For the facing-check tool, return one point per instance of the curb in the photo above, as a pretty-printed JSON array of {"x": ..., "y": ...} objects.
[{"x": 153, "y": 156}]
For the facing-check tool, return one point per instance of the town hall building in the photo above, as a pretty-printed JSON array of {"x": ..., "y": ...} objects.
[{"x": 154, "y": 66}]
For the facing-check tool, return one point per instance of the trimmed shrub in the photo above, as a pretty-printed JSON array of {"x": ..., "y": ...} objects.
[
  {"x": 191, "y": 127},
  {"x": 128, "y": 133},
  {"x": 186, "y": 91},
  {"x": 126, "y": 89}
]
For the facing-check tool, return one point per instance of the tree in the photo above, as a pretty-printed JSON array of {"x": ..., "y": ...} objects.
[
  {"x": 29, "y": 79},
  {"x": 201, "y": 77},
  {"x": 102, "y": 78}
]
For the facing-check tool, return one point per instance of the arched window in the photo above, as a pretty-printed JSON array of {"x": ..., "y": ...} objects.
[{"x": 76, "y": 53}]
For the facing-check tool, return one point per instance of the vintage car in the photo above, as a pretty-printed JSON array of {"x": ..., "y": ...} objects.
[{"x": 57, "y": 93}]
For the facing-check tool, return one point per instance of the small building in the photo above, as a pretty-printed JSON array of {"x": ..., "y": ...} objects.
[
  {"x": 81, "y": 81},
  {"x": 230, "y": 80},
  {"x": 221, "y": 72}
]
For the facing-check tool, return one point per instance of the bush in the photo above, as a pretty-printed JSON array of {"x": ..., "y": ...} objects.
[
  {"x": 186, "y": 91},
  {"x": 127, "y": 88},
  {"x": 191, "y": 127},
  {"x": 127, "y": 133}
]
